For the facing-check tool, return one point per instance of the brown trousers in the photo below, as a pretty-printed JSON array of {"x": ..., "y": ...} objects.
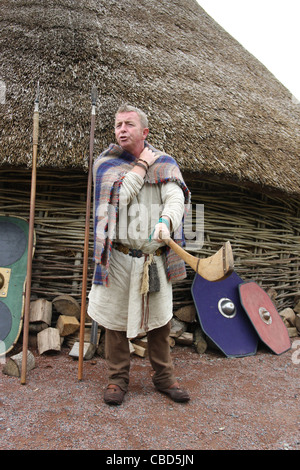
[{"x": 118, "y": 357}]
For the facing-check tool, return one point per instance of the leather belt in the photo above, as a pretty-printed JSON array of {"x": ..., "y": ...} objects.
[{"x": 134, "y": 252}]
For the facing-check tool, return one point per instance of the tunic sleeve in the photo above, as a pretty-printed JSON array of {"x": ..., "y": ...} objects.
[
  {"x": 131, "y": 186},
  {"x": 173, "y": 203}
]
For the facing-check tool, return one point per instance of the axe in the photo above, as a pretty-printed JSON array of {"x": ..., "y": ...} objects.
[{"x": 213, "y": 268}]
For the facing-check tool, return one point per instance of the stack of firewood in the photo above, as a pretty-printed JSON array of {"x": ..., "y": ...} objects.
[
  {"x": 57, "y": 323},
  {"x": 48, "y": 332},
  {"x": 291, "y": 319},
  {"x": 50, "y": 323}
]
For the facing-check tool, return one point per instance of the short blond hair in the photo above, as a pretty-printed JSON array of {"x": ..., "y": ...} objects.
[{"x": 127, "y": 108}]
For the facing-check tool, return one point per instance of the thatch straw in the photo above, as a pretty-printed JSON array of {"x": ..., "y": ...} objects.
[{"x": 211, "y": 104}]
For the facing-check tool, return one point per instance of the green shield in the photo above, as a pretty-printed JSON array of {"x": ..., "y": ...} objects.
[{"x": 13, "y": 269}]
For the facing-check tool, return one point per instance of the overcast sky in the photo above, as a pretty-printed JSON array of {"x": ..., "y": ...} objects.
[{"x": 269, "y": 29}]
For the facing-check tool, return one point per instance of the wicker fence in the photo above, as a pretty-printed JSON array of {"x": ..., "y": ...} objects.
[{"x": 264, "y": 232}]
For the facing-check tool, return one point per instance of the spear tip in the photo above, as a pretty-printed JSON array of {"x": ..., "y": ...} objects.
[
  {"x": 94, "y": 95},
  {"x": 37, "y": 97}
]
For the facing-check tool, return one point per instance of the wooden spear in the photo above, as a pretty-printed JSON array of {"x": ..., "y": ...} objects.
[
  {"x": 86, "y": 235},
  {"x": 30, "y": 235}
]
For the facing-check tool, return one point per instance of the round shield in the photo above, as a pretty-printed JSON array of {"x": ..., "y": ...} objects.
[
  {"x": 5, "y": 321},
  {"x": 222, "y": 317},
  {"x": 264, "y": 317},
  {"x": 13, "y": 241},
  {"x": 13, "y": 270}
]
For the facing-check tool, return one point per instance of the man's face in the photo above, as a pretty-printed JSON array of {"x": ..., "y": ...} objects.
[{"x": 129, "y": 132}]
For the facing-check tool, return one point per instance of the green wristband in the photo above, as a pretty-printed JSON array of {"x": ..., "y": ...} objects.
[
  {"x": 165, "y": 221},
  {"x": 161, "y": 220}
]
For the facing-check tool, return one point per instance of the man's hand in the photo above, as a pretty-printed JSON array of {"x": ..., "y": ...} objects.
[
  {"x": 148, "y": 156},
  {"x": 161, "y": 231},
  {"x": 146, "y": 159}
]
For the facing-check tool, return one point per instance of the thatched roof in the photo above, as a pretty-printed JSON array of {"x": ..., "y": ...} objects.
[{"x": 211, "y": 104}]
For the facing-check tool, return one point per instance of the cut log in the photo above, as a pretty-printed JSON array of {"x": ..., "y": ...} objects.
[
  {"x": 297, "y": 322},
  {"x": 32, "y": 340},
  {"x": 297, "y": 307},
  {"x": 139, "y": 350},
  {"x": 35, "y": 328},
  {"x": 13, "y": 364},
  {"x": 292, "y": 331},
  {"x": 49, "y": 340},
  {"x": 67, "y": 305},
  {"x": 75, "y": 350},
  {"x": 67, "y": 325},
  {"x": 200, "y": 342},
  {"x": 186, "y": 313},
  {"x": 186, "y": 339},
  {"x": 142, "y": 341},
  {"x": 177, "y": 328},
  {"x": 272, "y": 294},
  {"x": 89, "y": 350},
  {"x": 211, "y": 344},
  {"x": 90, "y": 344},
  {"x": 288, "y": 316},
  {"x": 70, "y": 340},
  {"x": 41, "y": 311},
  {"x": 131, "y": 348}
]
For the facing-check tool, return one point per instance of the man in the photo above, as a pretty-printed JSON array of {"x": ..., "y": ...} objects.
[{"x": 139, "y": 199}]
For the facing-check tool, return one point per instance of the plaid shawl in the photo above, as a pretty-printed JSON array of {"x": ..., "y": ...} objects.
[{"x": 108, "y": 173}]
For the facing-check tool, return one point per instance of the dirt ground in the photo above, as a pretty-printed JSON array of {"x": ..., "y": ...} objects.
[{"x": 249, "y": 403}]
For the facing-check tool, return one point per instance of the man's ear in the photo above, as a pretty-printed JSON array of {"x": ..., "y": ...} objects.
[{"x": 145, "y": 132}]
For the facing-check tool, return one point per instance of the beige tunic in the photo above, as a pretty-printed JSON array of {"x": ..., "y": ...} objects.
[{"x": 119, "y": 306}]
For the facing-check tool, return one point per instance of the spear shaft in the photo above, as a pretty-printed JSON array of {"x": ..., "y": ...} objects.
[
  {"x": 30, "y": 236},
  {"x": 86, "y": 236}
]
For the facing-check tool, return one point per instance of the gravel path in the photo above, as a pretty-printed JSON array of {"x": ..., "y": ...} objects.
[{"x": 245, "y": 403}]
